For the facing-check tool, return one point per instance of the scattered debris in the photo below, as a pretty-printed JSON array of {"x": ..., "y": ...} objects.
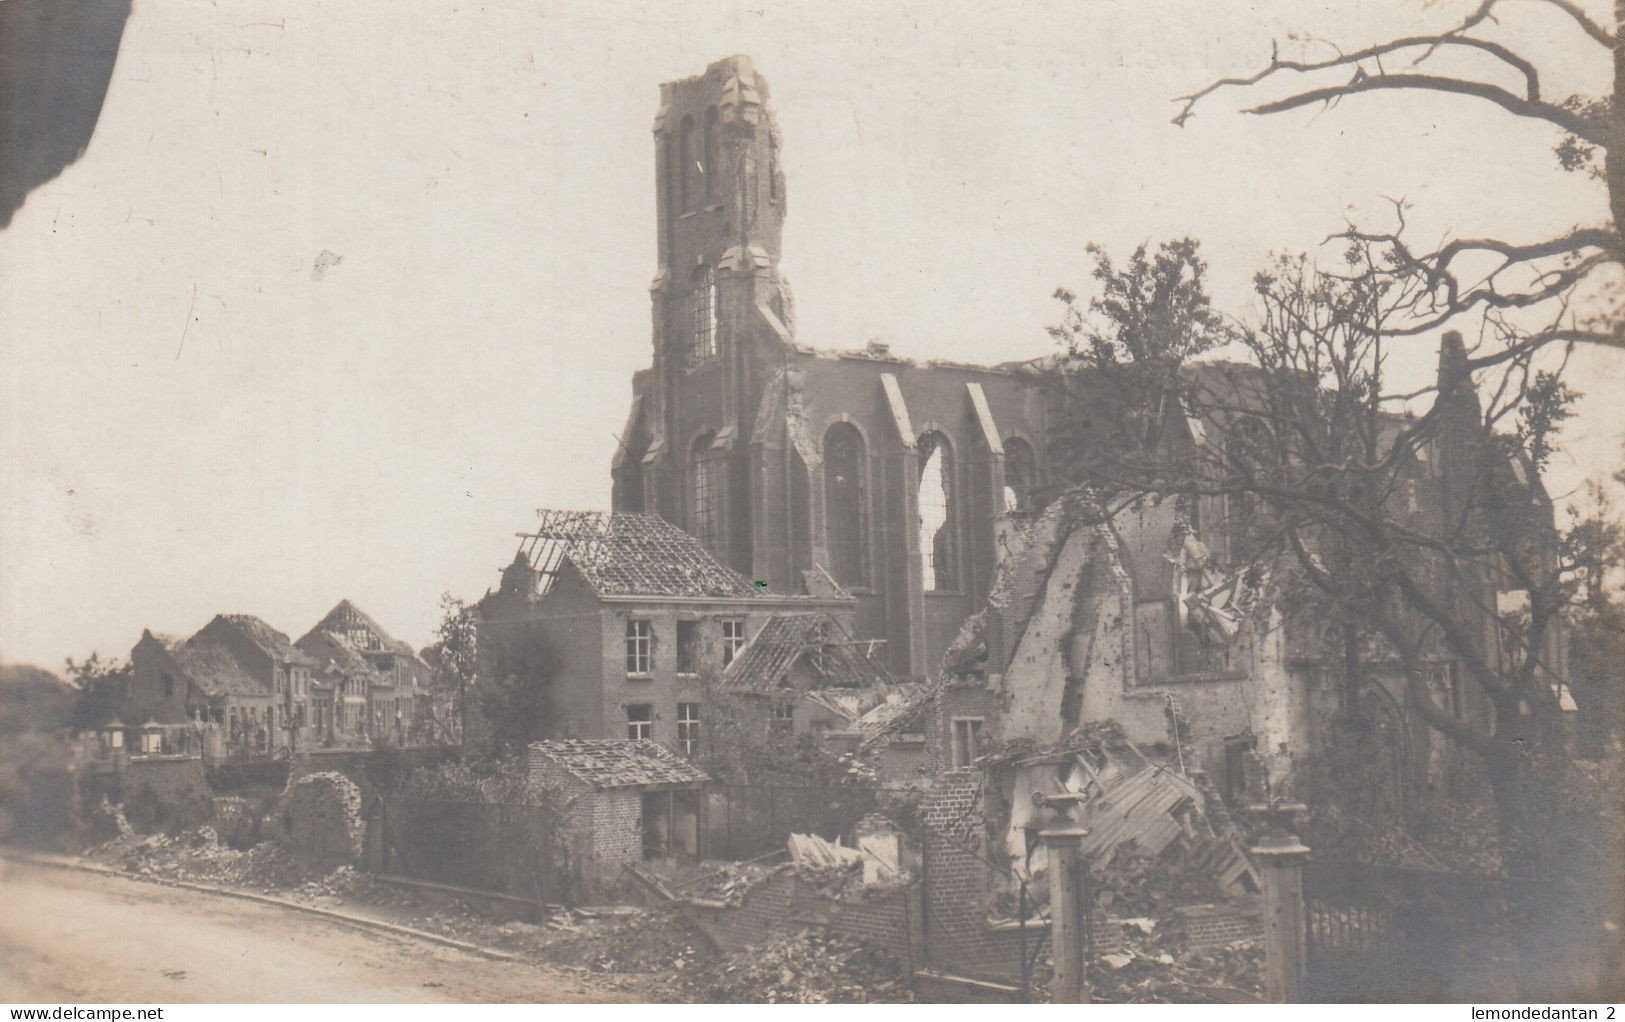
[
  {"x": 805, "y": 968},
  {"x": 812, "y": 850}
]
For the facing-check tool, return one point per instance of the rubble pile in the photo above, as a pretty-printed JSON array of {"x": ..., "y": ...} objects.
[
  {"x": 728, "y": 884},
  {"x": 806, "y": 968},
  {"x": 198, "y": 856},
  {"x": 1146, "y": 971},
  {"x": 641, "y": 942},
  {"x": 1139, "y": 885}
]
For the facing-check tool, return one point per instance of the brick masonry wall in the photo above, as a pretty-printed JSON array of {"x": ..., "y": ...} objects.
[
  {"x": 1200, "y": 927},
  {"x": 617, "y": 823},
  {"x": 166, "y": 792}
]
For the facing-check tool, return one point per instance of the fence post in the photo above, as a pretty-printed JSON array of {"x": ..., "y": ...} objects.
[
  {"x": 1281, "y": 856},
  {"x": 1067, "y": 912}
]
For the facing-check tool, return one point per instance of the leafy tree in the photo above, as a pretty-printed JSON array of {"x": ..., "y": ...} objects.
[
  {"x": 101, "y": 686},
  {"x": 1150, "y": 317},
  {"x": 514, "y": 682},
  {"x": 454, "y": 658},
  {"x": 1474, "y": 274}
]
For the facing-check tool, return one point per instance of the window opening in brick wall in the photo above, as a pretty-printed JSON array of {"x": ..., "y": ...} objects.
[
  {"x": 702, "y": 310},
  {"x": 936, "y": 518},
  {"x": 1020, "y": 475},
  {"x": 687, "y": 164},
  {"x": 688, "y": 728},
  {"x": 733, "y": 638},
  {"x": 688, "y": 647},
  {"x": 710, "y": 166},
  {"x": 967, "y": 740},
  {"x": 640, "y": 720},
  {"x": 845, "y": 507},
  {"x": 784, "y": 718},
  {"x": 705, "y": 494},
  {"x": 639, "y": 647}
]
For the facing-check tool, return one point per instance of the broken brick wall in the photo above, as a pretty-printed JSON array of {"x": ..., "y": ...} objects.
[
  {"x": 785, "y": 904},
  {"x": 601, "y": 829},
  {"x": 324, "y": 818},
  {"x": 1204, "y": 927},
  {"x": 958, "y": 701}
]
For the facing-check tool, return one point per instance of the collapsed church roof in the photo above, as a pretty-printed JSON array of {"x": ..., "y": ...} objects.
[
  {"x": 627, "y": 553},
  {"x": 827, "y": 650}
]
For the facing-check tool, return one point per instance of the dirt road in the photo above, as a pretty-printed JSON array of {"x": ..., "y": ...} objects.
[{"x": 75, "y": 937}]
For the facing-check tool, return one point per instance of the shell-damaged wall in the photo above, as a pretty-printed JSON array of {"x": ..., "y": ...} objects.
[{"x": 1076, "y": 660}]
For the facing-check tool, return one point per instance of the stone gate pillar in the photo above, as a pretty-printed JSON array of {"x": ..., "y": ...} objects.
[{"x": 1280, "y": 858}]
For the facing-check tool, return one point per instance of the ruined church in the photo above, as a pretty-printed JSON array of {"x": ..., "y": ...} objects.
[
  {"x": 906, "y": 511},
  {"x": 780, "y": 458}
]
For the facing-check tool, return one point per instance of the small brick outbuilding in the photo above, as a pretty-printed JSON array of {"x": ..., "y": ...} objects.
[{"x": 625, "y": 800}]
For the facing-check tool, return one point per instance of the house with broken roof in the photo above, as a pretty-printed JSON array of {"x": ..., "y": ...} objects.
[
  {"x": 237, "y": 681},
  {"x": 804, "y": 673},
  {"x": 638, "y": 618},
  {"x": 370, "y": 685}
]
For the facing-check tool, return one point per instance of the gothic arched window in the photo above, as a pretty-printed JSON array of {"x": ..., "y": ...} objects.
[
  {"x": 1020, "y": 475},
  {"x": 686, "y": 157},
  {"x": 709, "y": 165},
  {"x": 702, "y": 313},
  {"x": 845, "y": 506},
  {"x": 708, "y": 473},
  {"x": 938, "y": 570}
]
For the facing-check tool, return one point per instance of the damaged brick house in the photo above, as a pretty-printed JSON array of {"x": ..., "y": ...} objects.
[
  {"x": 639, "y": 619},
  {"x": 804, "y": 674},
  {"x": 780, "y": 457},
  {"x": 369, "y": 685},
  {"x": 238, "y": 687}
]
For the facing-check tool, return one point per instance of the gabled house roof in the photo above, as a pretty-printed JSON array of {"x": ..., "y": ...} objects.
[
  {"x": 345, "y": 617},
  {"x": 273, "y": 643},
  {"x": 829, "y": 651},
  {"x": 335, "y": 653},
  {"x": 619, "y": 762},
  {"x": 211, "y": 666},
  {"x": 627, "y": 553}
]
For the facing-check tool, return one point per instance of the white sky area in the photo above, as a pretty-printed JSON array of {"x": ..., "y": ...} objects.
[{"x": 191, "y": 422}]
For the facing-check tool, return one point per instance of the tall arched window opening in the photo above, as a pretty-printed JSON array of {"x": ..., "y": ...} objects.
[
  {"x": 1020, "y": 475},
  {"x": 709, "y": 165},
  {"x": 845, "y": 507},
  {"x": 686, "y": 165},
  {"x": 708, "y": 473},
  {"x": 1247, "y": 455},
  {"x": 938, "y": 570},
  {"x": 702, "y": 310}
]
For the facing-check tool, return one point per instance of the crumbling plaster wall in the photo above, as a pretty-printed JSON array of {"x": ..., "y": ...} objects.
[
  {"x": 1079, "y": 633},
  {"x": 1038, "y": 673}
]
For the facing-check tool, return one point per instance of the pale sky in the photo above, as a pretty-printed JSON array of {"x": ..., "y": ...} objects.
[{"x": 192, "y": 421}]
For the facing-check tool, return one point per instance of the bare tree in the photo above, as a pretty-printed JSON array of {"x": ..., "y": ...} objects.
[{"x": 1486, "y": 275}]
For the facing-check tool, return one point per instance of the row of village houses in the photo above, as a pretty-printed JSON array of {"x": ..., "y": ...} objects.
[{"x": 240, "y": 689}]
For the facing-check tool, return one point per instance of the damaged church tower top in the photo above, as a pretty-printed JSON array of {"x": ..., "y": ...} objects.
[{"x": 720, "y": 194}]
